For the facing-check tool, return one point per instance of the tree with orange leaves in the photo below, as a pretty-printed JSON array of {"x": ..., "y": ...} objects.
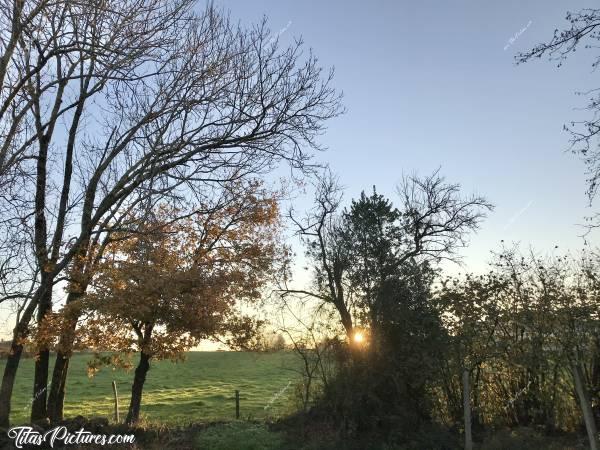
[{"x": 173, "y": 283}]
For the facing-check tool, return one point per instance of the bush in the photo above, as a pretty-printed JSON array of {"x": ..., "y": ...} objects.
[{"x": 385, "y": 387}]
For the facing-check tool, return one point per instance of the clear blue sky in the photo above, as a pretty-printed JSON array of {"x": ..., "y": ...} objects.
[{"x": 429, "y": 83}]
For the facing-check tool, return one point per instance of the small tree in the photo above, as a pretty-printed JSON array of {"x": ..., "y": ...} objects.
[
  {"x": 469, "y": 311},
  {"x": 307, "y": 333},
  {"x": 174, "y": 283}
]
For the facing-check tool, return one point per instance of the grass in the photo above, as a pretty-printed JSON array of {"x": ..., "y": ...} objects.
[
  {"x": 240, "y": 436},
  {"x": 200, "y": 389}
]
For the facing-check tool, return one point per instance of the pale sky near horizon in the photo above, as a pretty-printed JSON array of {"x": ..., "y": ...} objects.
[{"x": 430, "y": 84}]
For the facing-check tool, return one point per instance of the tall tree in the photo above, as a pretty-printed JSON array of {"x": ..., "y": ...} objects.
[
  {"x": 181, "y": 104},
  {"x": 20, "y": 27},
  {"x": 371, "y": 232},
  {"x": 373, "y": 264},
  {"x": 353, "y": 251}
]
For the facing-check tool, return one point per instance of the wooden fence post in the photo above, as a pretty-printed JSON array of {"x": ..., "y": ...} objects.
[
  {"x": 116, "y": 396},
  {"x": 467, "y": 408},
  {"x": 237, "y": 404},
  {"x": 584, "y": 402}
]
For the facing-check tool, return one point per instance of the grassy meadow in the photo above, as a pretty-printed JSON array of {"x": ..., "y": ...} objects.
[{"x": 199, "y": 389}]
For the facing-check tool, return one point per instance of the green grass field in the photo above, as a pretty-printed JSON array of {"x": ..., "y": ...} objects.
[{"x": 199, "y": 389}]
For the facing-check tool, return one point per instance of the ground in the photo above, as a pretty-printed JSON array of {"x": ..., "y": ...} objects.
[
  {"x": 200, "y": 389},
  {"x": 191, "y": 405}
]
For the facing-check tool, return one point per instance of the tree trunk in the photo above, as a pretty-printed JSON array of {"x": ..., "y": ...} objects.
[
  {"x": 8, "y": 381},
  {"x": 42, "y": 359},
  {"x": 56, "y": 397},
  {"x": 475, "y": 404},
  {"x": 345, "y": 317},
  {"x": 586, "y": 407},
  {"x": 467, "y": 409},
  {"x": 40, "y": 386},
  {"x": 595, "y": 381},
  {"x": 12, "y": 363},
  {"x": 136, "y": 390}
]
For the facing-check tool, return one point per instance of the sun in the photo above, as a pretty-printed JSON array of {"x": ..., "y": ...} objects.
[{"x": 358, "y": 337}]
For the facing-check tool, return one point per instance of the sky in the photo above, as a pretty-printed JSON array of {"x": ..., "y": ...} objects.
[{"x": 432, "y": 85}]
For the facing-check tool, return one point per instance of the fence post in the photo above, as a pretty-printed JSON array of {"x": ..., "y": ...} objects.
[
  {"x": 237, "y": 404},
  {"x": 116, "y": 396},
  {"x": 467, "y": 408}
]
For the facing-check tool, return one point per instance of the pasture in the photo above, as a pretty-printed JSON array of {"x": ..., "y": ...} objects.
[{"x": 199, "y": 389}]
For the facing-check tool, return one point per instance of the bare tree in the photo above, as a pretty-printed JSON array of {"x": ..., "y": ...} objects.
[
  {"x": 434, "y": 221},
  {"x": 19, "y": 22},
  {"x": 320, "y": 232},
  {"x": 437, "y": 218},
  {"x": 154, "y": 102}
]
